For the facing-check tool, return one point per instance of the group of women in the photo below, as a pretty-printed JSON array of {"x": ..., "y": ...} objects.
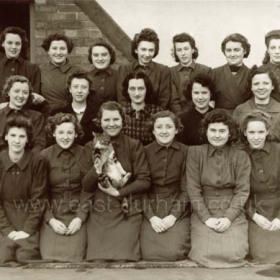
[{"x": 203, "y": 175}]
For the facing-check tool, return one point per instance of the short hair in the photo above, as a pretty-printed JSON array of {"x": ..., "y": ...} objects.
[
  {"x": 148, "y": 35},
  {"x": 78, "y": 75},
  {"x": 19, "y": 121},
  {"x": 102, "y": 43},
  {"x": 21, "y": 33},
  {"x": 138, "y": 75},
  {"x": 219, "y": 116},
  {"x": 236, "y": 37},
  {"x": 255, "y": 115},
  {"x": 57, "y": 37},
  {"x": 181, "y": 38},
  {"x": 274, "y": 34},
  {"x": 14, "y": 79},
  {"x": 204, "y": 80},
  {"x": 58, "y": 119}
]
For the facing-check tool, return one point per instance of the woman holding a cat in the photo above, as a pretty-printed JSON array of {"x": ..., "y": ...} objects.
[{"x": 113, "y": 232}]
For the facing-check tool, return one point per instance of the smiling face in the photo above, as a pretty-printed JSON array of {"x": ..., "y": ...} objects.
[
  {"x": 17, "y": 139},
  {"x": 58, "y": 52},
  {"x": 79, "y": 90},
  {"x": 184, "y": 52},
  {"x": 100, "y": 57},
  {"x": 65, "y": 135},
  {"x": 137, "y": 91},
  {"x": 12, "y": 45},
  {"x": 256, "y": 133},
  {"x": 217, "y": 134},
  {"x": 18, "y": 95},
  {"x": 145, "y": 52},
  {"x": 111, "y": 122},
  {"x": 262, "y": 87},
  {"x": 274, "y": 51},
  {"x": 200, "y": 97},
  {"x": 234, "y": 53}
]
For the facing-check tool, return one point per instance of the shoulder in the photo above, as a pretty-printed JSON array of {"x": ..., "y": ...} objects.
[
  {"x": 46, "y": 153},
  {"x": 34, "y": 114},
  {"x": 202, "y": 67},
  {"x": 161, "y": 67},
  {"x": 219, "y": 69},
  {"x": 31, "y": 66},
  {"x": 239, "y": 154}
]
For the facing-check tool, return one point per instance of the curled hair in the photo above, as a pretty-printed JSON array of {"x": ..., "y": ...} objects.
[
  {"x": 274, "y": 34},
  {"x": 57, "y": 37},
  {"x": 148, "y": 35},
  {"x": 59, "y": 119},
  {"x": 138, "y": 75},
  {"x": 14, "y": 79},
  {"x": 19, "y": 121},
  {"x": 102, "y": 43},
  {"x": 181, "y": 38},
  {"x": 219, "y": 116},
  {"x": 255, "y": 115},
  {"x": 205, "y": 81},
  {"x": 236, "y": 37},
  {"x": 21, "y": 33}
]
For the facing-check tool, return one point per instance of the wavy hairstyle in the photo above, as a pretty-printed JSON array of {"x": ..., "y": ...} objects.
[
  {"x": 274, "y": 34},
  {"x": 57, "y": 37}
]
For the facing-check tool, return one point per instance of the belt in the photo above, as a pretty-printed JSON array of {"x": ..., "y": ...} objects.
[{"x": 210, "y": 191}]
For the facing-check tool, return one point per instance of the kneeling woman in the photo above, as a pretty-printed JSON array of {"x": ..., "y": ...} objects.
[
  {"x": 63, "y": 235},
  {"x": 218, "y": 178},
  {"x": 263, "y": 206},
  {"x": 165, "y": 233},
  {"x": 22, "y": 190}
]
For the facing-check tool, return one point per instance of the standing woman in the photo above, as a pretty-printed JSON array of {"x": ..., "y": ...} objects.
[
  {"x": 264, "y": 202},
  {"x": 165, "y": 231},
  {"x": 138, "y": 109},
  {"x": 113, "y": 235},
  {"x": 17, "y": 90},
  {"x": 231, "y": 79},
  {"x": 272, "y": 57},
  {"x": 145, "y": 47},
  {"x": 23, "y": 187},
  {"x": 218, "y": 178},
  {"x": 56, "y": 72},
  {"x": 185, "y": 52},
  {"x": 201, "y": 92},
  {"x": 63, "y": 233}
]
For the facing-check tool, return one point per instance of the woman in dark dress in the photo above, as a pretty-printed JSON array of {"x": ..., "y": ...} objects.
[
  {"x": 263, "y": 207},
  {"x": 218, "y": 180},
  {"x": 23, "y": 187},
  {"x": 201, "y": 92},
  {"x": 63, "y": 232},
  {"x": 113, "y": 234},
  {"x": 165, "y": 231}
]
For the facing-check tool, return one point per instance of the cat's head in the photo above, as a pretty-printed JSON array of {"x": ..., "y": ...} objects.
[{"x": 101, "y": 141}]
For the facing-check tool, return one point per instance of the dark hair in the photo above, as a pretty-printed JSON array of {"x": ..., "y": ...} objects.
[
  {"x": 236, "y": 37},
  {"x": 58, "y": 119},
  {"x": 9, "y": 83},
  {"x": 102, "y": 43},
  {"x": 148, "y": 35},
  {"x": 219, "y": 116},
  {"x": 274, "y": 34},
  {"x": 138, "y": 75},
  {"x": 57, "y": 37},
  {"x": 181, "y": 38},
  {"x": 255, "y": 115},
  {"x": 20, "y": 121},
  {"x": 205, "y": 81}
]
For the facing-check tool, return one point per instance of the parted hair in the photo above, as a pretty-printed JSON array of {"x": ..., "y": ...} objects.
[
  {"x": 219, "y": 116},
  {"x": 57, "y": 37},
  {"x": 20, "y": 121},
  {"x": 274, "y": 34},
  {"x": 78, "y": 75}
]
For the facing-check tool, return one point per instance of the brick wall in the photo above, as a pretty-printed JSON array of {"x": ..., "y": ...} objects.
[{"x": 65, "y": 17}]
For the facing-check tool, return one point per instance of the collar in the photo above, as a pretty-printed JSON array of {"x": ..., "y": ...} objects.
[
  {"x": 63, "y": 68},
  {"x": 6, "y": 60},
  {"x": 272, "y": 66},
  {"x": 22, "y": 163},
  {"x": 212, "y": 150},
  {"x": 108, "y": 71},
  {"x": 272, "y": 106},
  {"x": 7, "y": 111},
  {"x": 182, "y": 67},
  {"x": 266, "y": 148},
  {"x": 150, "y": 66},
  {"x": 131, "y": 111},
  {"x": 58, "y": 150},
  {"x": 174, "y": 145},
  {"x": 79, "y": 111}
]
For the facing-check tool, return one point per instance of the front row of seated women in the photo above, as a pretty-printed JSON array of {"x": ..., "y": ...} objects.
[{"x": 61, "y": 195}]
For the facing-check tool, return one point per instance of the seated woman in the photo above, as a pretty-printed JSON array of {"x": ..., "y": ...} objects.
[
  {"x": 263, "y": 85},
  {"x": 63, "y": 233},
  {"x": 218, "y": 179},
  {"x": 17, "y": 90},
  {"x": 138, "y": 91},
  {"x": 23, "y": 187},
  {"x": 165, "y": 231},
  {"x": 263, "y": 207},
  {"x": 113, "y": 229},
  {"x": 201, "y": 92}
]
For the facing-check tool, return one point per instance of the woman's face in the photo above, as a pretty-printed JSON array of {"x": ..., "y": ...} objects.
[
  {"x": 79, "y": 90},
  {"x": 184, "y": 52},
  {"x": 217, "y": 134},
  {"x": 145, "y": 52},
  {"x": 274, "y": 51},
  {"x": 111, "y": 122},
  {"x": 256, "y": 133},
  {"x": 164, "y": 131},
  {"x": 65, "y": 135},
  {"x": 101, "y": 57},
  {"x": 137, "y": 91},
  {"x": 200, "y": 97},
  {"x": 58, "y": 52},
  {"x": 17, "y": 139},
  {"x": 262, "y": 86},
  {"x": 18, "y": 95},
  {"x": 234, "y": 53},
  {"x": 12, "y": 45}
]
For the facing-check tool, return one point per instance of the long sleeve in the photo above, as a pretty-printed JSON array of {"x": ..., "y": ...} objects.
[
  {"x": 175, "y": 102},
  {"x": 5, "y": 225},
  {"x": 36, "y": 79},
  {"x": 164, "y": 91},
  {"x": 121, "y": 74},
  {"x": 39, "y": 133}
]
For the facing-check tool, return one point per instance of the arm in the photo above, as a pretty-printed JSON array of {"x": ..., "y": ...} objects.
[
  {"x": 175, "y": 102},
  {"x": 5, "y": 226},
  {"x": 122, "y": 72},
  {"x": 164, "y": 90},
  {"x": 39, "y": 133}
]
